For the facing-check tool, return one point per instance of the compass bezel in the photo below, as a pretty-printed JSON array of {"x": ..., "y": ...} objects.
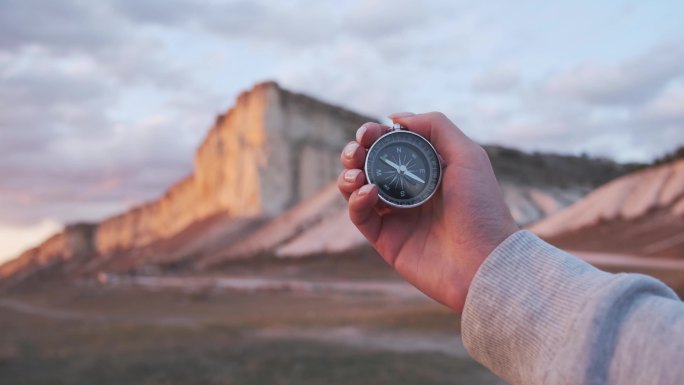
[{"x": 381, "y": 194}]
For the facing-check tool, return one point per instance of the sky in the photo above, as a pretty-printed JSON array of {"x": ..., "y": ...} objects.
[{"x": 102, "y": 103}]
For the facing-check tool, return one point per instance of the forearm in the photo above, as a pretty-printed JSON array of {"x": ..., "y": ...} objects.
[{"x": 537, "y": 315}]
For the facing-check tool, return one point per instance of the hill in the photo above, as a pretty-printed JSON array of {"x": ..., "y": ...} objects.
[
  {"x": 261, "y": 185},
  {"x": 640, "y": 213}
]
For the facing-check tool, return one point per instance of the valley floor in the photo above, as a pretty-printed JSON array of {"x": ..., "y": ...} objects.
[
  {"x": 318, "y": 321},
  {"x": 315, "y": 332}
]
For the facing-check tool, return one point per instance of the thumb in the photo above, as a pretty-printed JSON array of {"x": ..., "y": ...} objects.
[{"x": 362, "y": 212}]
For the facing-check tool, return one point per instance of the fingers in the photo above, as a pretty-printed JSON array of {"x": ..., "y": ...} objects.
[
  {"x": 362, "y": 211},
  {"x": 353, "y": 156},
  {"x": 350, "y": 181},
  {"x": 437, "y": 128},
  {"x": 368, "y": 133},
  {"x": 354, "y": 153}
]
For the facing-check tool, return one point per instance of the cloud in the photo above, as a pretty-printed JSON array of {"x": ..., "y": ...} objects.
[
  {"x": 72, "y": 147},
  {"x": 72, "y": 72},
  {"x": 58, "y": 25},
  {"x": 665, "y": 108},
  {"x": 162, "y": 12},
  {"x": 45, "y": 99},
  {"x": 635, "y": 133},
  {"x": 631, "y": 82},
  {"x": 87, "y": 31},
  {"x": 630, "y": 109},
  {"x": 130, "y": 165},
  {"x": 295, "y": 24},
  {"x": 496, "y": 81},
  {"x": 280, "y": 22},
  {"x": 370, "y": 20},
  {"x": 102, "y": 103}
]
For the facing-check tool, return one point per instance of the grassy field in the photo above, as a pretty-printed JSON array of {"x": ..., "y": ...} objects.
[{"x": 76, "y": 334}]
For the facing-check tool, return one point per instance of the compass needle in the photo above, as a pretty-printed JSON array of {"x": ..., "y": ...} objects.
[
  {"x": 394, "y": 178},
  {"x": 414, "y": 177},
  {"x": 406, "y": 167},
  {"x": 390, "y": 163}
]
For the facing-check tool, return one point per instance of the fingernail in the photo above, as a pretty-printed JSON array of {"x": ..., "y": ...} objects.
[
  {"x": 350, "y": 175},
  {"x": 360, "y": 132},
  {"x": 398, "y": 115},
  {"x": 350, "y": 149},
  {"x": 365, "y": 189}
]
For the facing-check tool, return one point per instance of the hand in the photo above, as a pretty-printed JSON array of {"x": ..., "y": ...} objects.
[{"x": 438, "y": 246}]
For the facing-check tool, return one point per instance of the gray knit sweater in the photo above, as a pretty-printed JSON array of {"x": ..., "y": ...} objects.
[{"x": 537, "y": 315}]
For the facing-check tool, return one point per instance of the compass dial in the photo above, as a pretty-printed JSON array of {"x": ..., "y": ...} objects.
[{"x": 405, "y": 167}]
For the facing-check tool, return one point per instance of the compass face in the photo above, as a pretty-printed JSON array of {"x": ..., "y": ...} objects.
[{"x": 405, "y": 167}]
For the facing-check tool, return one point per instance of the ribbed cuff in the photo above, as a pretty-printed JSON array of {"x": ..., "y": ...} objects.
[{"x": 521, "y": 305}]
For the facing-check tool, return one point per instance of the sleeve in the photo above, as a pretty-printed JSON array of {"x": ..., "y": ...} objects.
[{"x": 537, "y": 315}]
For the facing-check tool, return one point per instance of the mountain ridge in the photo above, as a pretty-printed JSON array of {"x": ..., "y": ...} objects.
[
  {"x": 270, "y": 152},
  {"x": 639, "y": 213}
]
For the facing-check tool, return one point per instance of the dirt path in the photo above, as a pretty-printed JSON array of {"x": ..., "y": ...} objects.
[
  {"x": 394, "y": 341},
  {"x": 257, "y": 284},
  {"x": 69, "y": 315},
  {"x": 356, "y": 337},
  {"x": 630, "y": 261},
  {"x": 47, "y": 312}
]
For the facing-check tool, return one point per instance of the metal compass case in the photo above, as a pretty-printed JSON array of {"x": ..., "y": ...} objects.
[{"x": 405, "y": 167}]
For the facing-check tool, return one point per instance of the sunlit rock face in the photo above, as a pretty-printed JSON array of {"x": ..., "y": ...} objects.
[
  {"x": 73, "y": 244},
  {"x": 640, "y": 213},
  {"x": 271, "y": 150}
]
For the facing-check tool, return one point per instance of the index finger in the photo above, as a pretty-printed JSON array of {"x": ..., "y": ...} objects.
[
  {"x": 369, "y": 132},
  {"x": 448, "y": 139}
]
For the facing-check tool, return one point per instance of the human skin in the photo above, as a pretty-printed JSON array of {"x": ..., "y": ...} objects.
[{"x": 438, "y": 246}]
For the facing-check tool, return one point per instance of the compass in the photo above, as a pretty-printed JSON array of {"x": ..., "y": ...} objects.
[{"x": 405, "y": 167}]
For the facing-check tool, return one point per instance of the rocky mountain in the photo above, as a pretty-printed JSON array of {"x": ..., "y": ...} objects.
[
  {"x": 534, "y": 186},
  {"x": 262, "y": 185},
  {"x": 537, "y": 185},
  {"x": 641, "y": 213},
  {"x": 316, "y": 226},
  {"x": 70, "y": 247},
  {"x": 271, "y": 150}
]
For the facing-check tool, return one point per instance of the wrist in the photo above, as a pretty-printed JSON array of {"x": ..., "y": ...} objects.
[{"x": 470, "y": 263}]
